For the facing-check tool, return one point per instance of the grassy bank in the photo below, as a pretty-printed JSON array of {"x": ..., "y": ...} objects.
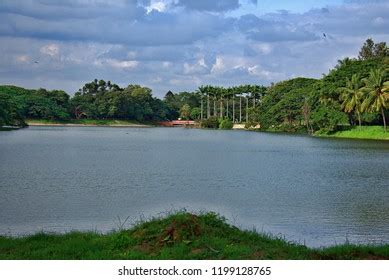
[
  {"x": 84, "y": 122},
  {"x": 364, "y": 132},
  {"x": 178, "y": 236}
]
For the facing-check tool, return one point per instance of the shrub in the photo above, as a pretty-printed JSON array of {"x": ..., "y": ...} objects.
[
  {"x": 226, "y": 124},
  {"x": 212, "y": 122}
]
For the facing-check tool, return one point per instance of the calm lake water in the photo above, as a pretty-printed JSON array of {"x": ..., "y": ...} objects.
[{"x": 317, "y": 191}]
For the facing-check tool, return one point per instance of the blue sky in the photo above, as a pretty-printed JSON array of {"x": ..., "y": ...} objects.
[{"x": 180, "y": 44}]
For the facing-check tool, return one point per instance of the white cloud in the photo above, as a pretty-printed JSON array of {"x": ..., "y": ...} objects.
[
  {"x": 200, "y": 67},
  {"x": 125, "y": 64},
  {"x": 218, "y": 66},
  {"x": 157, "y": 5},
  {"x": 378, "y": 21},
  {"x": 23, "y": 58},
  {"x": 263, "y": 48},
  {"x": 50, "y": 50},
  {"x": 166, "y": 64}
]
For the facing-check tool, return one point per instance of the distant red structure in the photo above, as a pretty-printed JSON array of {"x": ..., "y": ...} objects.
[{"x": 177, "y": 123}]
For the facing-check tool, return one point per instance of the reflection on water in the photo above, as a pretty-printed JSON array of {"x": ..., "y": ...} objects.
[{"x": 317, "y": 191}]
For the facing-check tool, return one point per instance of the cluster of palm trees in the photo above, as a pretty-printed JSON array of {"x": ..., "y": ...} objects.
[
  {"x": 222, "y": 102},
  {"x": 370, "y": 94}
]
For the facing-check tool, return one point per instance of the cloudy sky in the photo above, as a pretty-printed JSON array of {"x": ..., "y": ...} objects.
[{"x": 180, "y": 44}]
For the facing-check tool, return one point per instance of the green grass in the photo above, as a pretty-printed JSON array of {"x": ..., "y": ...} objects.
[
  {"x": 84, "y": 122},
  {"x": 179, "y": 236},
  {"x": 364, "y": 132}
]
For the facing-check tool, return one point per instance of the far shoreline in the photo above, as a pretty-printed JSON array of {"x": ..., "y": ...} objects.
[
  {"x": 87, "y": 123},
  {"x": 90, "y": 125},
  {"x": 375, "y": 133}
]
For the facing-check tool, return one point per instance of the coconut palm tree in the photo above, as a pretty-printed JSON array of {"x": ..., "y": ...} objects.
[
  {"x": 351, "y": 95},
  {"x": 376, "y": 90},
  {"x": 247, "y": 107},
  {"x": 204, "y": 90},
  {"x": 227, "y": 94},
  {"x": 202, "y": 106},
  {"x": 233, "y": 91},
  {"x": 240, "y": 103},
  {"x": 221, "y": 95},
  {"x": 214, "y": 94}
]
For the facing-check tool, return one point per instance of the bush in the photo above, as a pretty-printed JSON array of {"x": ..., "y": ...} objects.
[
  {"x": 252, "y": 125},
  {"x": 226, "y": 124},
  {"x": 212, "y": 122},
  {"x": 327, "y": 118}
]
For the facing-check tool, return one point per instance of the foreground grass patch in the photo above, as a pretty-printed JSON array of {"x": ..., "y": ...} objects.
[{"x": 179, "y": 236}]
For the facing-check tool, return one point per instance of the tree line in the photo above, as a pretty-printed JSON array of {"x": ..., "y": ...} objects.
[
  {"x": 355, "y": 91},
  {"x": 95, "y": 100}
]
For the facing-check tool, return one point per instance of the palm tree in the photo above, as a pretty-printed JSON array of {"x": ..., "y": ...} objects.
[
  {"x": 376, "y": 91},
  {"x": 351, "y": 95},
  {"x": 233, "y": 90},
  {"x": 221, "y": 94},
  {"x": 227, "y": 93},
  {"x": 240, "y": 107},
  {"x": 214, "y": 93},
  {"x": 202, "y": 106},
  {"x": 247, "y": 107},
  {"x": 204, "y": 90}
]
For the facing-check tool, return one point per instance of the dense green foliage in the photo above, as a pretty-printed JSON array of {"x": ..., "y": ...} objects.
[
  {"x": 179, "y": 236},
  {"x": 226, "y": 124},
  {"x": 355, "y": 90},
  {"x": 175, "y": 102},
  {"x": 88, "y": 122},
  {"x": 103, "y": 100},
  {"x": 96, "y": 100},
  {"x": 212, "y": 122},
  {"x": 371, "y": 50},
  {"x": 282, "y": 106},
  {"x": 9, "y": 111},
  {"x": 38, "y": 103}
]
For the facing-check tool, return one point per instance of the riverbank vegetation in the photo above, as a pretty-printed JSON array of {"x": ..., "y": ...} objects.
[
  {"x": 86, "y": 122},
  {"x": 355, "y": 92},
  {"x": 97, "y": 100},
  {"x": 178, "y": 236}
]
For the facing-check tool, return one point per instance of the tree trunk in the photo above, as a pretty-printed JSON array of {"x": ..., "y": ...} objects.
[
  {"x": 247, "y": 109},
  {"x": 214, "y": 107},
  {"x": 233, "y": 109},
  {"x": 208, "y": 108},
  {"x": 202, "y": 108},
  {"x": 383, "y": 117},
  {"x": 359, "y": 119},
  {"x": 221, "y": 107},
  {"x": 240, "y": 108},
  {"x": 227, "y": 108}
]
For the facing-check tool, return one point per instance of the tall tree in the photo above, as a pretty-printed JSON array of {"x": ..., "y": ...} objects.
[
  {"x": 351, "y": 96},
  {"x": 371, "y": 50},
  {"x": 185, "y": 112},
  {"x": 376, "y": 90}
]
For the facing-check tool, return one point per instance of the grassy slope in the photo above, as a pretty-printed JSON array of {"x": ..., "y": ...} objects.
[
  {"x": 365, "y": 132},
  {"x": 84, "y": 122},
  {"x": 178, "y": 236}
]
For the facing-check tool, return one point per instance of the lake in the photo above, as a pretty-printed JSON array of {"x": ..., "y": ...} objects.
[{"x": 314, "y": 191}]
